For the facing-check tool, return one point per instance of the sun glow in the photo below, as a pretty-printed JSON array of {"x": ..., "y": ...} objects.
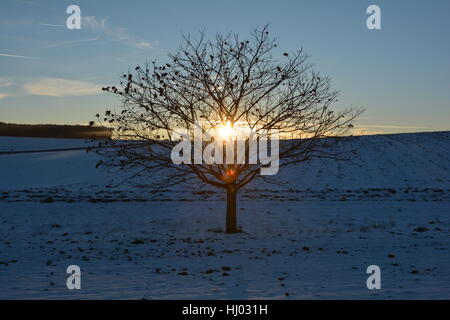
[
  {"x": 226, "y": 131},
  {"x": 230, "y": 172}
]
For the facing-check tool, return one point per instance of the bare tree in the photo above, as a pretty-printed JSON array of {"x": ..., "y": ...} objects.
[{"x": 224, "y": 82}]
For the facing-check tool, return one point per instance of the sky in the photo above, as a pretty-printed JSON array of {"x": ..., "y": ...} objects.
[{"x": 400, "y": 74}]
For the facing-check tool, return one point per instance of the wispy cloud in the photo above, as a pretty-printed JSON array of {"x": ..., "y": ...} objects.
[
  {"x": 103, "y": 31},
  {"x": 143, "y": 44},
  {"x": 57, "y": 87},
  {"x": 368, "y": 129},
  {"x": 52, "y": 25},
  {"x": 15, "y": 56},
  {"x": 4, "y": 82},
  {"x": 390, "y": 127},
  {"x": 112, "y": 33},
  {"x": 71, "y": 42}
]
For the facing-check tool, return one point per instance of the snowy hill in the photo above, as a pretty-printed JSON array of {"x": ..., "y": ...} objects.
[
  {"x": 314, "y": 237},
  {"x": 418, "y": 162}
]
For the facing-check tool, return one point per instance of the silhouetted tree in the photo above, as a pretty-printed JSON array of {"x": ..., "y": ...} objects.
[{"x": 226, "y": 81}]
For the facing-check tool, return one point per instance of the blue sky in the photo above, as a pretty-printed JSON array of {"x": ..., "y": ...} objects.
[{"x": 401, "y": 74}]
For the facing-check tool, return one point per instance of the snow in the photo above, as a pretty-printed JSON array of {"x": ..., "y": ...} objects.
[{"x": 312, "y": 238}]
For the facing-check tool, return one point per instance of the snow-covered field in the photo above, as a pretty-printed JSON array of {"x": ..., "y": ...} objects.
[{"x": 312, "y": 238}]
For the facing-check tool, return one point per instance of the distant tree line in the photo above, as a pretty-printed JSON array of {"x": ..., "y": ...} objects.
[{"x": 54, "y": 131}]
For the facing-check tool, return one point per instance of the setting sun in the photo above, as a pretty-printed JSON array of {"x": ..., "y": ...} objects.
[{"x": 226, "y": 131}]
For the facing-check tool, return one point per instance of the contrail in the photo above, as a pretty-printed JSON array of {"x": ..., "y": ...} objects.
[
  {"x": 72, "y": 42},
  {"x": 52, "y": 25},
  {"x": 15, "y": 56}
]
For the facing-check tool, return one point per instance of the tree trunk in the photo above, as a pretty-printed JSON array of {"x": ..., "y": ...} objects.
[{"x": 231, "y": 222}]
